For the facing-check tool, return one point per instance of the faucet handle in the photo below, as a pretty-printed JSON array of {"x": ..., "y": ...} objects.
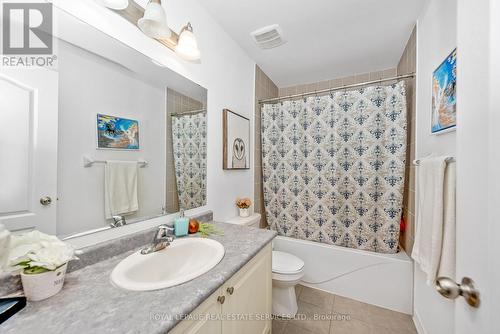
[
  {"x": 164, "y": 231},
  {"x": 168, "y": 229},
  {"x": 118, "y": 221}
]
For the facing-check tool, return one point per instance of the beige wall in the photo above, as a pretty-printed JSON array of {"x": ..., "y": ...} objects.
[
  {"x": 264, "y": 89},
  {"x": 176, "y": 103},
  {"x": 406, "y": 65}
]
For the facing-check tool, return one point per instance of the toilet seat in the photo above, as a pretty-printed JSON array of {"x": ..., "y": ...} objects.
[{"x": 286, "y": 264}]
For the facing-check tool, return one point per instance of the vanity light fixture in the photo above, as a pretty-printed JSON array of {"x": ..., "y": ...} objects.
[
  {"x": 114, "y": 4},
  {"x": 154, "y": 22},
  {"x": 187, "y": 46}
]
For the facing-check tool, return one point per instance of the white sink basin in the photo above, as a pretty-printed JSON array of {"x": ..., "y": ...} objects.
[{"x": 182, "y": 261}]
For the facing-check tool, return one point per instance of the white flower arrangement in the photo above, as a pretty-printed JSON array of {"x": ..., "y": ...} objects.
[{"x": 35, "y": 253}]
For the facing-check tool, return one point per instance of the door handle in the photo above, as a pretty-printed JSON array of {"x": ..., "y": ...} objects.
[
  {"x": 46, "y": 200},
  {"x": 448, "y": 288}
]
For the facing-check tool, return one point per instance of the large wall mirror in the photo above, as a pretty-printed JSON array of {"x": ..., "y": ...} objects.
[{"x": 131, "y": 134}]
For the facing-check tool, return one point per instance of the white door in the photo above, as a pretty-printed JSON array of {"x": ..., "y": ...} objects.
[
  {"x": 28, "y": 149},
  {"x": 478, "y": 167}
]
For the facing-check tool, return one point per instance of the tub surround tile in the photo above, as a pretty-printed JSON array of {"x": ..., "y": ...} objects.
[
  {"x": 337, "y": 82},
  {"x": 334, "y": 83},
  {"x": 90, "y": 303},
  {"x": 264, "y": 89},
  {"x": 359, "y": 78},
  {"x": 389, "y": 73},
  {"x": 406, "y": 65},
  {"x": 377, "y": 75},
  {"x": 323, "y": 85}
]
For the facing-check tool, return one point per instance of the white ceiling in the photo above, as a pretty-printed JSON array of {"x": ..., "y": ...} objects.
[{"x": 326, "y": 38}]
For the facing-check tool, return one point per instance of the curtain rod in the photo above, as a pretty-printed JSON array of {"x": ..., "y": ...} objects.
[
  {"x": 405, "y": 76},
  {"x": 188, "y": 112}
]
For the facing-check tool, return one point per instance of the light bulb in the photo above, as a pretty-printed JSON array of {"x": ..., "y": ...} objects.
[{"x": 187, "y": 46}]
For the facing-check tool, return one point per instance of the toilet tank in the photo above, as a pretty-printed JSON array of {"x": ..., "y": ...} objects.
[{"x": 253, "y": 220}]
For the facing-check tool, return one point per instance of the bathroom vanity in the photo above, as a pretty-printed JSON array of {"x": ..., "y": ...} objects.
[
  {"x": 221, "y": 300},
  {"x": 241, "y": 305}
]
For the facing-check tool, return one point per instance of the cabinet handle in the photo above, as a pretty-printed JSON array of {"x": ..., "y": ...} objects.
[
  {"x": 230, "y": 290},
  {"x": 221, "y": 299}
]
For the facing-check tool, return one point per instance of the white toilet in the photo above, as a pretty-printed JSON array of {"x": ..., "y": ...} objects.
[{"x": 288, "y": 270}]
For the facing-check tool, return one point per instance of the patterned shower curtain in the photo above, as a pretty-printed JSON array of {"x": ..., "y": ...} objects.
[
  {"x": 189, "y": 133},
  {"x": 334, "y": 166}
]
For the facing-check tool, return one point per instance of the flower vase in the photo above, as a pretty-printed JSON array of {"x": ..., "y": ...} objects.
[
  {"x": 244, "y": 212},
  {"x": 44, "y": 285}
]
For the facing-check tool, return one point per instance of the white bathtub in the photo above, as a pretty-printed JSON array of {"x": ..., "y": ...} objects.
[{"x": 384, "y": 280}]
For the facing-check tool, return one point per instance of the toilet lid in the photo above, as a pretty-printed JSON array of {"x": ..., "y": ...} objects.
[{"x": 285, "y": 263}]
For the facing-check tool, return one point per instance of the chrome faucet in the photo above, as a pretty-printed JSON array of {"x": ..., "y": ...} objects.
[
  {"x": 162, "y": 239},
  {"x": 118, "y": 221}
]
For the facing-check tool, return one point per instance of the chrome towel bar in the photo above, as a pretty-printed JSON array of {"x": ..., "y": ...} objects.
[
  {"x": 449, "y": 159},
  {"x": 89, "y": 161}
]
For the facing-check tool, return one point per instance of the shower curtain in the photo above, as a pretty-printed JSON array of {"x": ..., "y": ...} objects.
[
  {"x": 334, "y": 166},
  {"x": 190, "y": 151}
]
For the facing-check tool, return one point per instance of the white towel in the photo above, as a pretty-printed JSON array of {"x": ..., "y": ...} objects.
[
  {"x": 435, "y": 213},
  {"x": 447, "y": 262},
  {"x": 120, "y": 188}
]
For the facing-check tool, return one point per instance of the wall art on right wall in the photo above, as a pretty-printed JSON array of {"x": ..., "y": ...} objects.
[{"x": 444, "y": 102}]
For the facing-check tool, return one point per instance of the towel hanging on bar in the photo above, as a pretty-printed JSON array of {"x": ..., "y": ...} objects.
[{"x": 88, "y": 162}]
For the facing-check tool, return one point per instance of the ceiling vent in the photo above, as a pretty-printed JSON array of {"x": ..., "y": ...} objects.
[{"x": 268, "y": 37}]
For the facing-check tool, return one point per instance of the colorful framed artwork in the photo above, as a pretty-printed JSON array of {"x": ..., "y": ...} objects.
[
  {"x": 236, "y": 141},
  {"x": 117, "y": 133},
  {"x": 444, "y": 89}
]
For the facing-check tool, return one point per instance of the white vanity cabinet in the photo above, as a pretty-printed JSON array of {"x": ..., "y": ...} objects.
[{"x": 242, "y": 305}]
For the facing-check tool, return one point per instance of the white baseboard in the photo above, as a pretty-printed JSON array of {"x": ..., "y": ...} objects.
[{"x": 418, "y": 323}]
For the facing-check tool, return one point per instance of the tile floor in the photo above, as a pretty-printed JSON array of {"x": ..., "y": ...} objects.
[{"x": 324, "y": 313}]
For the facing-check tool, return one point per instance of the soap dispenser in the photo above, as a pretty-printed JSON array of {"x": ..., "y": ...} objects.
[{"x": 181, "y": 225}]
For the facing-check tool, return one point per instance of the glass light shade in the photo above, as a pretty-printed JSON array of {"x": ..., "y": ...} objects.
[
  {"x": 114, "y": 4},
  {"x": 154, "y": 22},
  {"x": 187, "y": 46}
]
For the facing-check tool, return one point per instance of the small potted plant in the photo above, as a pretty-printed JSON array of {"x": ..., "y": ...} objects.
[
  {"x": 243, "y": 204},
  {"x": 42, "y": 261}
]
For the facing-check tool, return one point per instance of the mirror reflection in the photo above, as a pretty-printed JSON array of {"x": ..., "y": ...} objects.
[
  {"x": 186, "y": 152},
  {"x": 131, "y": 134}
]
